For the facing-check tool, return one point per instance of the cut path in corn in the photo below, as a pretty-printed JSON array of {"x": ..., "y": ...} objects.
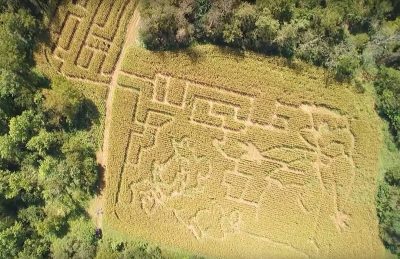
[{"x": 96, "y": 206}]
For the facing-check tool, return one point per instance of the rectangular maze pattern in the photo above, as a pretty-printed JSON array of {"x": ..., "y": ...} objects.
[
  {"x": 194, "y": 149},
  {"x": 220, "y": 151},
  {"x": 88, "y": 38}
]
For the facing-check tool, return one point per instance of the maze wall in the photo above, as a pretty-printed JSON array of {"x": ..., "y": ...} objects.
[
  {"x": 88, "y": 37},
  {"x": 225, "y": 155},
  {"x": 228, "y": 165}
]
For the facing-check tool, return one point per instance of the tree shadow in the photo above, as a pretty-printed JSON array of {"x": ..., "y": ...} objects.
[
  {"x": 236, "y": 53},
  {"x": 53, "y": 19},
  {"x": 100, "y": 183},
  {"x": 193, "y": 54},
  {"x": 87, "y": 116}
]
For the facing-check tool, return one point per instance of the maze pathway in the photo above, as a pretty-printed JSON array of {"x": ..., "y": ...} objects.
[
  {"x": 216, "y": 157},
  {"x": 223, "y": 155},
  {"x": 88, "y": 38}
]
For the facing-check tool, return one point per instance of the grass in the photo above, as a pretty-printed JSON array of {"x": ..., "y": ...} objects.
[{"x": 239, "y": 155}]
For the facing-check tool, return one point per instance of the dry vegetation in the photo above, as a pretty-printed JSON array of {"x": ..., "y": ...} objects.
[
  {"x": 233, "y": 155},
  {"x": 224, "y": 154},
  {"x": 88, "y": 37}
]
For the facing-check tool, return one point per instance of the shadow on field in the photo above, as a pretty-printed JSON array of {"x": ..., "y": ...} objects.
[{"x": 101, "y": 183}]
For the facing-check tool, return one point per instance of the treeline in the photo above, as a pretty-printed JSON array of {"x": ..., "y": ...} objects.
[
  {"x": 352, "y": 39},
  {"x": 356, "y": 41},
  {"x": 317, "y": 31},
  {"x": 48, "y": 169}
]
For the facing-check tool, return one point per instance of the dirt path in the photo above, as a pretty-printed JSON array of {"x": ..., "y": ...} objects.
[
  {"x": 131, "y": 37},
  {"x": 96, "y": 207}
]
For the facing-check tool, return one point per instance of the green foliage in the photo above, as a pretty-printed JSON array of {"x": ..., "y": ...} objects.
[
  {"x": 143, "y": 251},
  {"x": 63, "y": 103},
  {"x": 17, "y": 40},
  {"x": 332, "y": 34},
  {"x": 389, "y": 209},
  {"x": 48, "y": 168},
  {"x": 239, "y": 32},
  {"x": 166, "y": 24},
  {"x": 388, "y": 89},
  {"x": 118, "y": 248},
  {"x": 80, "y": 242},
  {"x": 392, "y": 176},
  {"x": 44, "y": 142},
  {"x": 266, "y": 30},
  {"x": 10, "y": 240},
  {"x": 35, "y": 6},
  {"x": 18, "y": 33},
  {"x": 345, "y": 65},
  {"x": 282, "y": 10}
]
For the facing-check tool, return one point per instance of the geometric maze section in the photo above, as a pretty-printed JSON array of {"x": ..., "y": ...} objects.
[
  {"x": 223, "y": 156},
  {"x": 194, "y": 160},
  {"x": 88, "y": 37}
]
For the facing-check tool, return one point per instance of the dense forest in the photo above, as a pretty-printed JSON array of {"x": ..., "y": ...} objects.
[
  {"x": 48, "y": 169},
  {"x": 357, "y": 41}
]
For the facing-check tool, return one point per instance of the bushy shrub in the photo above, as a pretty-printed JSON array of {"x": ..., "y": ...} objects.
[
  {"x": 80, "y": 242},
  {"x": 388, "y": 89},
  {"x": 388, "y": 209}
]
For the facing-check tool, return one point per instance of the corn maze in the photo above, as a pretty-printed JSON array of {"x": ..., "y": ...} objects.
[
  {"x": 88, "y": 37},
  {"x": 225, "y": 155}
]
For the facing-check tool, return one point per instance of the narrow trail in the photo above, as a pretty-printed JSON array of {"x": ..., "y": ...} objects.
[
  {"x": 96, "y": 207},
  {"x": 131, "y": 37}
]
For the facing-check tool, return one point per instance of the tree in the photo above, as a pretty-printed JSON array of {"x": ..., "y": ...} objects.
[
  {"x": 80, "y": 242},
  {"x": 282, "y": 10},
  {"x": 47, "y": 157},
  {"x": 44, "y": 143},
  {"x": 18, "y": 32},
  {"x": 287, "y": 39},
  {"x": 21, "y": 129},
  {"x": 165, "y": 25},
  {"x": 10, "y": 241},
  {"x": 239, "y": 31},
  {"x": 392, "y": 176},
  {"x": 388, "y": 89},
  {"x": 266, "y": 30},
  {"x": 63, "y": 103},
  {"x": 388, "y": 209}
]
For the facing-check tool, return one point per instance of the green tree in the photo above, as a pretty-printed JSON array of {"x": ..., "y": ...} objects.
[
  {"x": 165, "y": 25},
  {"x": 80, "y": 242},
  {"x": 213, "y": 22},
  {"x": 63, "y": 103},
  {"x": 18, "y": 31},
  {"x": 47, "y": 157},
  {"x": 10, "y": 241},
  {"x": 388, "y": 210},
  {"x": 239, "y": 31},
  {"x": 388, "y": 89},
  {"x": 17, "y": 40},
  {"x": 266, "y": 30}
]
